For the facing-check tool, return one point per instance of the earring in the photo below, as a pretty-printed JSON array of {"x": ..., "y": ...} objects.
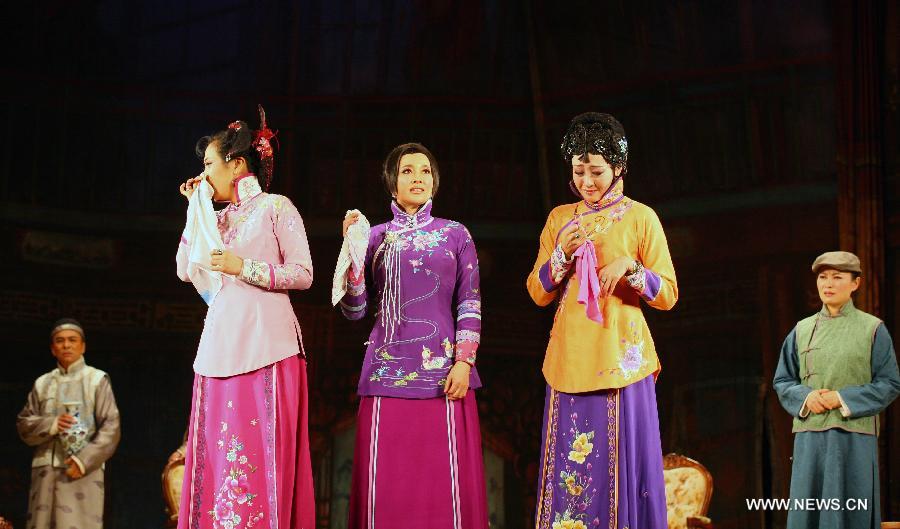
[{"x": 574, "y": 189}]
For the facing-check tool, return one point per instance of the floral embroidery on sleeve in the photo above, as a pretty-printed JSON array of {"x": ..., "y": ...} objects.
[
  {"x": 467, "y": 345},
  {"x": 257, "y": 273},
  {"x": 287, "y": 275},
  {"x": 354, "y": 302},
  {"x": 638, "y": 279},
  {"x": 470, "y": 308},
  {"x": 294, "y": 270},
  {"x": 356, "y": 283},
  {"x": 559, "y": 265}
]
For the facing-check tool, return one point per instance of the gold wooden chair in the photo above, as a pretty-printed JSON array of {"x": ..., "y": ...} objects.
[
  {"x": 172, "y": 477},
  {"x": 689, "y": 488}
]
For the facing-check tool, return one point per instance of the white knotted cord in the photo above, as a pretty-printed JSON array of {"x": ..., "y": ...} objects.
[
  {"x": 390, "y": 296},
  {"x": 390, "y": 248}
]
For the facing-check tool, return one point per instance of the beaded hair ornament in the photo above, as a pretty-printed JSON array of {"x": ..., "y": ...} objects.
[
  {"x": 596, "y": 133},
  {"x": 263, "y": 145}
]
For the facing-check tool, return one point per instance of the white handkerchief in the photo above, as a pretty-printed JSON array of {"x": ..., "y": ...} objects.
[
  {"x": 353, "y": 255},
  {"x": 202, "y": 232}
]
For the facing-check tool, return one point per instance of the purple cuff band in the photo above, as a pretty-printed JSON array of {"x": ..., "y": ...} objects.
[
  {"x": 544, "y": 276},
  {"x": 651, "y": 287}
]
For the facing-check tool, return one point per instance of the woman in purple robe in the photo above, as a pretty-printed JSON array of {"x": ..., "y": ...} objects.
[{"x": 418, "y": 460}]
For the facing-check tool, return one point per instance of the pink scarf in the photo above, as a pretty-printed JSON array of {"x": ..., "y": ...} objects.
[{"x": 588, "y": 282}]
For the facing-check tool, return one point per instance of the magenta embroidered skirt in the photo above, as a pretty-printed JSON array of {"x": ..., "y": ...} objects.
[
  {"x": 601, "y": 461},
  {"x": 418, "y": 463},
  {"x": 247, "y": 463}
]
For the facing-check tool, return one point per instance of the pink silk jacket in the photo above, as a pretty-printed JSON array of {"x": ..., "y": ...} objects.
[{"x": 250, "y": 323}]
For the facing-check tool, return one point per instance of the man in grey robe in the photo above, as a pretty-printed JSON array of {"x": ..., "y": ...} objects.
[{"x": 72, "y": 420}]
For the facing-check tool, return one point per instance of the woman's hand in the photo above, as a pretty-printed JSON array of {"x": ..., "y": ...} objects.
[
  {"x": 189, "y": 185},
  {"x": 457, "y": 383},
  {"x": 349, "y": 220},
  {"x": 226, "y": 262},
  {"x": 830, "y": 398},
  {"x": 570, "y": 239},
  {"x": 611, "y": 274},
  {"x": 816, "y": 403}
]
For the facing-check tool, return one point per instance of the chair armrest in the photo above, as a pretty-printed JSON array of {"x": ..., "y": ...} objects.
[
  {"x": 699, "y": 522},
  {"x": 171, "y": 502}
]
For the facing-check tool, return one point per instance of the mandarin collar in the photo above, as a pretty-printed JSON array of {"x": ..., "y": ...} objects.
[
  {"x": 76, "y": 366},
  {"x": 405, "y": 220},
  {"x": 612, "y": 196},
  {"x": 246, "y": 188},
  {"x": 845, "y": 310}
]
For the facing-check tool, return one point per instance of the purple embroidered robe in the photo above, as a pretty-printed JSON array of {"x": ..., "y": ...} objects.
[{"x": 421, "y": 273}]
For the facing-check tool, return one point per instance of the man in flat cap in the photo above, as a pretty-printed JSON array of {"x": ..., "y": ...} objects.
[
  {"x": 837, "y": 372},
  {"x": 72, "y": 420}
]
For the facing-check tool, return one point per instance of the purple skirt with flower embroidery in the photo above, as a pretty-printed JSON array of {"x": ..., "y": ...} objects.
[
  {"x": 601, "y": 461},
  {"x": 247, "y": 464}
]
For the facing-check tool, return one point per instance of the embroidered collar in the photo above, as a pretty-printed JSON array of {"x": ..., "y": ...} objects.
[
  {"x": 402, "y": 219},
  {"x": 246, "y": 188},
  {"x": 76, "y": 366},
  {"x": 845, "y": 310},
  {"x": 612, "y": 196}
]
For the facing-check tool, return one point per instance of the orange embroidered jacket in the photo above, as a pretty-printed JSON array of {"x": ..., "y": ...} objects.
[{"x": 585, "y": 355}]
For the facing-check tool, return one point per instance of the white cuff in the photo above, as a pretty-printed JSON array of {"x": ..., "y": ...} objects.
[
  {"x": 804, "y": 411},
  {"x": 845, "y": 410},
  {"x": 54, "y": 427},
  {"x": 564, "y": 259},
  {"x": 79, "y": 463}
]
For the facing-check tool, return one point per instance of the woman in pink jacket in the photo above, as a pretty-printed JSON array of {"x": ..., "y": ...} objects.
[{"x": 247, "y": 462}]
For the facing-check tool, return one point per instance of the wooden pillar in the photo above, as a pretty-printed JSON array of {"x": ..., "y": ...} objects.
[
  {"x": 775, "y": 322},
  {"x": 540, "y": 128},
  {"x": 859, "y": 40},
  {"x": 890, "y": 432},
  {"x": 860, "y": 165}
]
